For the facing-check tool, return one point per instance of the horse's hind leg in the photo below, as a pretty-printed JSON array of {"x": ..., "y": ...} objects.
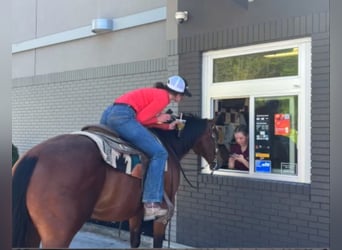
[
  {"x": 57, "y": 215},
  {"x": 58, "y": 225},
  {"x": 57, "y": 231},
  {"x": 56, "y": 241}
]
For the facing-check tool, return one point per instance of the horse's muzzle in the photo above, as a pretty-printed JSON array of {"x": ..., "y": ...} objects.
[{"x": 213, "y": 165}]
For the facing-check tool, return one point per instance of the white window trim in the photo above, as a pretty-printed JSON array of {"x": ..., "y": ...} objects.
[{"x": 293, "y": 85}]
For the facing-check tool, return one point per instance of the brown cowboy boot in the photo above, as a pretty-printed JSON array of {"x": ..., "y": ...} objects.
[{"x": 153, "y": 210}]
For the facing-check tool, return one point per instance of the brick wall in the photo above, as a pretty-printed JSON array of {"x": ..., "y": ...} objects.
[
  {"x": 240, "y": 212},
  {"x": 47, "y": 105}
]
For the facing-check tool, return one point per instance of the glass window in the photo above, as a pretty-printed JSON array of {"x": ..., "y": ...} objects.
[
  {"x": 278, "y": 63},
  {"x": 264, "y": 121},
  {"x": 275, "y": 140},
  {"x": 233, "y": 133}
]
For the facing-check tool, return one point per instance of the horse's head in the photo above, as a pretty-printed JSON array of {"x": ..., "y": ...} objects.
[
  {"x": 206, "y": 145},
  {"x": 199, "y": 134}
]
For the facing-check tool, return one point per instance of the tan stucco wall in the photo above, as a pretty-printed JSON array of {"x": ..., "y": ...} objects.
[{"x": 34, "y": 19}]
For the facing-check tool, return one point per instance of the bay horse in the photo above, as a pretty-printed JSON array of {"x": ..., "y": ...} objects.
[{"x": 63, "y": 182}]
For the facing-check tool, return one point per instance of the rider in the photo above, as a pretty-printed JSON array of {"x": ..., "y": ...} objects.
[{"x": 129, "y": 116}]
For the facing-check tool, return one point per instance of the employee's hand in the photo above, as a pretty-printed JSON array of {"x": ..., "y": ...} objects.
[{"x": 239, "y": 157}]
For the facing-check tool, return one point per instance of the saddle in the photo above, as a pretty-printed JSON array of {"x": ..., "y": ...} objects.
[
  {"x": 111, "y": 143},
  {"x": 115, "y": 151},
  {"x": 112, "y": 138}
]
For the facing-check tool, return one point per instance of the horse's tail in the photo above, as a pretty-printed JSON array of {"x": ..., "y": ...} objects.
[{"x": 22, "y": 224}]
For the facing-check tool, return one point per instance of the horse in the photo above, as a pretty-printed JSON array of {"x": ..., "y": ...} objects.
[{"x": 63, "y": 182}]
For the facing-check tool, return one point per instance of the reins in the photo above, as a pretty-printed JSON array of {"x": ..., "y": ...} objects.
[
  {"x": 179, "y": 165},
  {"x": 171, "y": 150}
]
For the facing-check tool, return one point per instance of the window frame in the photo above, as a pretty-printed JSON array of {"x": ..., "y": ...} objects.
[{"x": 299, "y": 85}]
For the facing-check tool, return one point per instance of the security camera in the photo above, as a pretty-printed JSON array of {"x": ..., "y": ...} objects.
[{"x": 181, "y": 16}]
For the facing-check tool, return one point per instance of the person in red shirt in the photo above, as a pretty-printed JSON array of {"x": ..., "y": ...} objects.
[
  {"x": 129, "y": 116},
  {"x": 239, "y": 159}
]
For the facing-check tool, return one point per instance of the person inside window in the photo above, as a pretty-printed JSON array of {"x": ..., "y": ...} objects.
[
  {"x": 239, "y": 152},
  {"x": 129, "y": 116}
]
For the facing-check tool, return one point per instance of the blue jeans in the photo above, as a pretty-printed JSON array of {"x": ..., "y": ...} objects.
[{"x": 123, "y": 120}]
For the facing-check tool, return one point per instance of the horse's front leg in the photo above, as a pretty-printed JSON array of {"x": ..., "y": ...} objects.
[
  {"x": 135, "y": 229},
  {"x": 158, "y": 234}
]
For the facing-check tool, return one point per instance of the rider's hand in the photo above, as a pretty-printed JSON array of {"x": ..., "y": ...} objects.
[
  {"x": 163, "y": 118},
  {"x": 173, "y": 124}
]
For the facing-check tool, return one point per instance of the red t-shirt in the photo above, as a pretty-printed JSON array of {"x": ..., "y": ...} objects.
[{"x": 147, "y": 103}]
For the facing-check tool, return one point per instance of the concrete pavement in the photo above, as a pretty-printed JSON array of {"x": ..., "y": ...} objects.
[{"x": 97, "y": 236}]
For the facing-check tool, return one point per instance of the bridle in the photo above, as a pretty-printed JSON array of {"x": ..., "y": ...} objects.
[
  {"x": 213, "y": 164},
  {"x": 214, "y": 137}
]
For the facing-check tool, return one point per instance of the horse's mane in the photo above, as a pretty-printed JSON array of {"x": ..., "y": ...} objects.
[{"x": 194, "y": 127}]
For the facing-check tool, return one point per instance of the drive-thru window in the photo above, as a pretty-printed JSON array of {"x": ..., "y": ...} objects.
[{"x": 268, "y": 88}]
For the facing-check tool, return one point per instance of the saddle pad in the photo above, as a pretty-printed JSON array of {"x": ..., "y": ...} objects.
[
  {"x": 122, "y": 161},
  {"x": 115, "y": 154}
]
